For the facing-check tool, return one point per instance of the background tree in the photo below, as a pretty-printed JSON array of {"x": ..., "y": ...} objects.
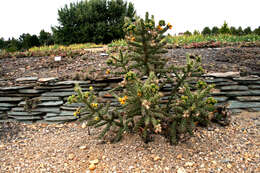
[
  {"x": 206, "y": 31},
  {"x": 240, "y": 31},
  {"x": 224, "y": 29},
  {"x": 13, "y": 45},
  {"x": 2, "y": 43},
  {"x": 187, "y": 33},
  {"x": 99, "y": 21},
  {"x": 45, "y": 38},
  {"x": 257, "y": 31},
  {"x": 215, "y": 30},
  {"x": 196, "y": 32},
  {"x": 28, "y": 41},
  {"x": 233, "y": 30},
  {"x": 247, "y": 30}
]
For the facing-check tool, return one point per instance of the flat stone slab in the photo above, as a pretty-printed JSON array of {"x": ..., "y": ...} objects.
[
  {"x": 252, "y": 98},
  {"x": 66, "y": 113},
  {"x": 254, "y": 86},
  {"x": 24, "y": 113},
  {"x": 49, "y": 79},
  {"x": 8, "y": 105},
  {"x": 25, "y": 118},
  {"x": 15, "y": 88},
  {"x": 225, "y": 75},
  {"x": 47, "y": 110},
  {"x": 49, "y": 98},
  {"x": 72, "y": 83},
  {"x": 60, "y": 119},
  {"x": 11, "y": 99},
  {"x": 51, "y": 103},
  {"x": 239, "y": 105},
  {"x": 221, "y": 99},
  {"x": 30, "y": 91},
  {"x": 26, "y": 79},
  {"x": 58, "y": 94},
  {"x": 4, "y": 109},
  {"x": 75, "y": 105},
  {"x": 51, "y": 115},
  {"x": 234, "y": 88}
]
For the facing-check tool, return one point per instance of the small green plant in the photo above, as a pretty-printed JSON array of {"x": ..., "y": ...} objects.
[{"x": 145, "y": 73}]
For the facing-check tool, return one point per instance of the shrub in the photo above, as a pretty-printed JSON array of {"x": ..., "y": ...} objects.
[
  {"x": 187, "y": 33},
  {"x": 98, "y": 21},
  {"x": 215, "y": 30},
  {"x": 206, "y": 31},
  {"x": 224, "y": 29},
  {"x": 145, "y": 73},
  {"x": 247, "y": 30}
]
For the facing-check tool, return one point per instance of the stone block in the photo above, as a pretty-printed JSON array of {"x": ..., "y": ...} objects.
[
  {"x": 11, "y": 99},
  {"x": 234, "y": 88},
  {"x": 243, "y": 105}
]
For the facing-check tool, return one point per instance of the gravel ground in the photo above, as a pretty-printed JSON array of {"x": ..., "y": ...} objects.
[{"x": 68, "y": 148}]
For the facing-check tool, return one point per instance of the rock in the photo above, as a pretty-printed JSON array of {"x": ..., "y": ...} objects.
[
  {"x": 26, "y": 79},
  {"x": 181, "y": 170},
  {"x": 156, "y": 158},
  {"x": 248, "y": 80},
  {"x": 84, "y": 125},
  {"x": 237, "y": 104},
  {"x": 245, "y": 99},
  {"x": 49, "y": 79},
  {"x": 51, "y": 115},
  {"x": 217, "y": 80},
  {"x": 11, "y": 99},
  {"x": 51, "y": 103},
  {"x": 49, "y": 98},
  {"x": 75, "y": 105},
  {"x": 254, "y": 86},
  {"x": 66, "y": 113},
  {"x": 94, "y": 161},
  {"x": 189, "y": 164},
  {"x": 83, "y": 147},
  {"x": 255, "y": 109},
  {"x": 24, "y": 113},
  {"x": 60, "y": 118},
  {"x": 58, "y": 94},
  {"x": 4, "y": 109},
  {"x": 224, "y": 75},
  {"x": 234, "y": 88},
  {"x": 7, "y": 105},
  {"x": 221, "y": 99},
  {"x": 236, "y": 111},
  {"x": 30, "y": 91},
  {"x": 92, "y": 167},
  {"x": 15, "y": 88},
  {"x": 71, "y": 156},
  {"x": 25, "y": 118},
  {"x": 47, "y": 110},
  {"x": 72, "y": 83}
]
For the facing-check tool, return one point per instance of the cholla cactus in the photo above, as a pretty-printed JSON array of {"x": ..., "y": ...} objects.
[{"x": 145, "y": 73}]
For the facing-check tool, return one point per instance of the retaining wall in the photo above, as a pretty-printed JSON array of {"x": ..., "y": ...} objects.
[{"x": 50, "y": 95}]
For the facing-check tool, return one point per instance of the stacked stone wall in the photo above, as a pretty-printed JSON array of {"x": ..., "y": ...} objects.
[{"x": 48, "y": 96}]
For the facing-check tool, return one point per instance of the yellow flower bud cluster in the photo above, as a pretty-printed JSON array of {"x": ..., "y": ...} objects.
[{"x": 122, "y": 100}]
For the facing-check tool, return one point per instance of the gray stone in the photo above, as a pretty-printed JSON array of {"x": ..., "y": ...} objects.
[
  {"x": 66, "y": 113},
  {"x": 30, "y": 91},
  {"x": 245, "y": 99},
  {"x": 60, "y": 118},
  {"x": 51, "y": 103},
  {"x": 49, "y": 79},
  {"x": 8, "y": 105},
  {"x": 24, "y": 118},
  {"x": 237, "y": 104},
  {"x": 75, "y": 105},
  {"x": 234, "y": 88},
  {"x": 14, "y": 88},
  {"x": 18, "y": 109},
  {"x": 225, "y": 83},
  {"x": 24, "y": 113},
  {"x": 11, "y": 99},
  {"x": 68, "y": 90},
  {"x": 4, "y": 109},
  {"x": 51, "y": 115},
  {"x": 26, "y": 79},
  {"x": 72, "y": 83},
  {"x": 52, "y": 87},
  {"x": 49, "y": 98},
  {"x": 224, "y": 75},
  {"x": 58, "y": 94},
  {"x": 221, "y": 99},
  {"x": 255, "y": 109},
  {"x": 47, "y": 110},
  {"x": 255, "y": 92},
  {"x": 217, "y": 80},
  {"x": 68, "y": 108},
  {"x": 254, "y": 86},
  {"x": 238, "y": 93},
  {"x": 248, "y": 80}
]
